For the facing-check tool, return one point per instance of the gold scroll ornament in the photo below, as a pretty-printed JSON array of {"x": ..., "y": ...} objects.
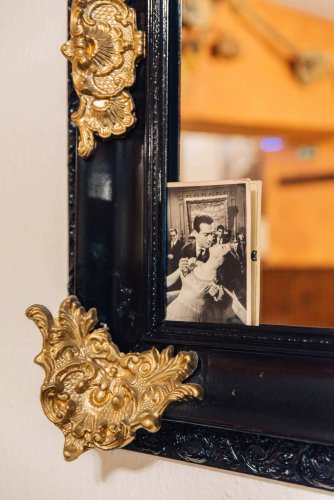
[
  {"x": 103, "y": 49},
  {"x": 98, "y": 396}
]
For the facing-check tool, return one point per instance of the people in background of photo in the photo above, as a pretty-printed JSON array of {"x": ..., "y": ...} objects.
[
  {"x": 241, "y": 247},
  {"x": 227, "y": 235},
  {"x": 191, "y": 237},
  {"x": 174, "y": 247},
  {"x": 220, "y": 234},
  {"x": 173, "y": 251}
]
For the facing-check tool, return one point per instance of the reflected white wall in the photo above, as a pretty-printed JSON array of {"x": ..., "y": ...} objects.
[{"x": 216, "y": 157}]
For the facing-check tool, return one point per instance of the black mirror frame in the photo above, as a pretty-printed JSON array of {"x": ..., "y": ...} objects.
[{"x": 269, "y": 404}]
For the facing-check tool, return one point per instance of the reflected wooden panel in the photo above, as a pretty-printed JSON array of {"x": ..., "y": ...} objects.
[
  {"x": 298, "y": 205},
  {"x": 298, "y": 297}
]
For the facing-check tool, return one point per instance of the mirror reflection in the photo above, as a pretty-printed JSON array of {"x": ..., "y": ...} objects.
[{"x": 257, "y": 101}]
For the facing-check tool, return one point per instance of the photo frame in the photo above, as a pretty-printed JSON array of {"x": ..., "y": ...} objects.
[
  {"x": 213, "y": 225},
  {"x": 269, "y": 392}
]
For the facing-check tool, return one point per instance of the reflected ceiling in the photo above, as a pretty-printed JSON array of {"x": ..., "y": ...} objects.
[{"x": 323, "y": 8}]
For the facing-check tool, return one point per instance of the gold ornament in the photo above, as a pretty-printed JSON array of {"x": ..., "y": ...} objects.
[
  {"x": 103, "y": 49},
  {"x": 98, "y": 396}
]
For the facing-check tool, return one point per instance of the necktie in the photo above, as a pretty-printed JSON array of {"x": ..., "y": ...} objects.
[{"x": 203, "y": 255}]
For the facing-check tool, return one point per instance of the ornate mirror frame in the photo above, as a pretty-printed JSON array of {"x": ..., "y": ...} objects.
[{"x": 268, "y": 408}]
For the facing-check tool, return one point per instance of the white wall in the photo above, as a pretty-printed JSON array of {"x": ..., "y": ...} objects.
[{"x": 33, "y": 269}]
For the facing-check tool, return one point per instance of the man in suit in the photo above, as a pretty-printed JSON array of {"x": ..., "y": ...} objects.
[
  {"x": 173, "y": 251},
  {"x": 199, "y": 248},
  {"x": 220, "y": 234}
]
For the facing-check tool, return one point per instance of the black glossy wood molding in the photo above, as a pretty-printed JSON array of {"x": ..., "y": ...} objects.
[
  {"x": 267, "y": 457},
  {"x": 269, "y": 403}
]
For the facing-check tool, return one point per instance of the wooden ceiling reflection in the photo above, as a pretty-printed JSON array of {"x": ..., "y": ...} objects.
[{"x": 253, "y": 89}]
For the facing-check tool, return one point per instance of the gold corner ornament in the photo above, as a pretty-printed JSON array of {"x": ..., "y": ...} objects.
[
  {"x": 103, "y": 49},
  {"x": 98, "y": 396}
]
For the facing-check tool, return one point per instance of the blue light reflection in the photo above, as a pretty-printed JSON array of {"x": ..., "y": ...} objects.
[{"x": 272, "y": 144}]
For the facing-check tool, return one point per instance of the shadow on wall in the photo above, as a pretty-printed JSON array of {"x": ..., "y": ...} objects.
[{"x": 114, "y": 461}]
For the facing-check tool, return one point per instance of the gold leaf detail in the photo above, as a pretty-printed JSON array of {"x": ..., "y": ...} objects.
[
  {"x": 103, "y": 49},
  {"x": 98, "y": 396}
]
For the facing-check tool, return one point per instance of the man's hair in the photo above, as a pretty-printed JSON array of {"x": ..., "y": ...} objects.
[
  {"x": 220, "y": 227},
  {"x": 171, "y": 230},
  {"x": 202, "y": 219},
  {"x": 242, "y": 230}
]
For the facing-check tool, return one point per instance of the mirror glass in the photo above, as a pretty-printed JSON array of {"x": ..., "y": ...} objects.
[{"x": 257, "y": 101}]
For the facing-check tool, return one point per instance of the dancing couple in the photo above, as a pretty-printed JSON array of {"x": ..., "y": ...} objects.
[{"x": 212, "y": 280}]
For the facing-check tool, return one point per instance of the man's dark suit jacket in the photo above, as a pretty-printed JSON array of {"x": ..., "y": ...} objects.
[
  {"x": 189, "y": 250},
  {"x": 173, "y": 264}
]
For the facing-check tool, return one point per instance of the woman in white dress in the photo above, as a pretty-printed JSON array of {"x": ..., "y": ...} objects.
[{"x": 199, "y": 292}]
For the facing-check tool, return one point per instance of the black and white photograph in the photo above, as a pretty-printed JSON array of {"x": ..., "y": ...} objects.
[{"x": 207, "y": 271}]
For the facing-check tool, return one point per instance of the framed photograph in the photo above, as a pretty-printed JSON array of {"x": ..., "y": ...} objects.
[{"x": 269, "y": 389}]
